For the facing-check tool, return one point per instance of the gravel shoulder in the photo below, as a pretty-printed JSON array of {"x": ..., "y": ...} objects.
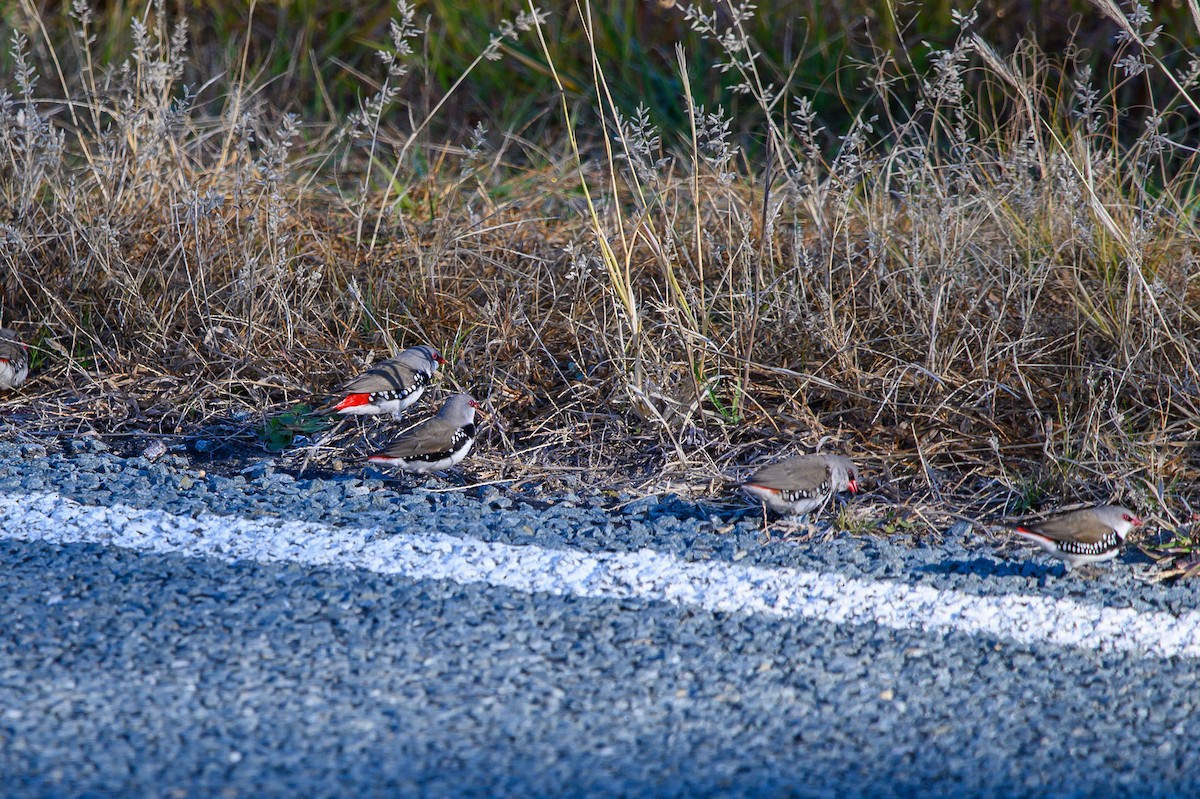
[
  {"x": 961, "y": 559},
  {"x": 127, "y": 673}
]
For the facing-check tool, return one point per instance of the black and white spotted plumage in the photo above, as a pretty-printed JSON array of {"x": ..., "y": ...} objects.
[
  {"x": 391, "y": 386},
  {"x": 802, "y": 484},
  {"x": 1092, "y": 535},
  {"x": 14, "y": 360},
  {"x": 436, "y": 444}
]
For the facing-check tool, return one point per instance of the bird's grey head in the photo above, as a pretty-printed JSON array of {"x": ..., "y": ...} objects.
[
  {"x": 1120, "y": 519},
  {"x": 421, "y": 358},
  {"x": 459, "y": 410},
  {"x": 843, "y": 474}
]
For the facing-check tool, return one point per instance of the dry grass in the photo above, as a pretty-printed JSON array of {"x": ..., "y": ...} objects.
[{"x": 992, "y": 307}]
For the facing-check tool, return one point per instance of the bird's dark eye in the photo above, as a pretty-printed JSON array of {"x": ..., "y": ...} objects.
[{"x": 1127, "y": 517}]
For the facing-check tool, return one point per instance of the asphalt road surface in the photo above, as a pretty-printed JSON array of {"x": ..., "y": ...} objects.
[{"x": 167, "y": 633}]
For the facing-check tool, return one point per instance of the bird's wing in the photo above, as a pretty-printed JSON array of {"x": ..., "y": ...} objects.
[
  {"x": 1081, "y": 526},
  {"x": 389, "y": 375},
  {"x": 435, "y": 435},
  {"x": 796, "y": 474}
]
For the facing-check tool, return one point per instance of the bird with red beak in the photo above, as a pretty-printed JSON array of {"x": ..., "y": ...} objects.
[
  {"x": 1082, "y": 537},
  {"x": 391, "y": 386},
  {"x": 437, "y": 443},
  {"x": 802, "y": 484}
]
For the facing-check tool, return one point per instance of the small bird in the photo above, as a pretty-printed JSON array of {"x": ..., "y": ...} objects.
[
  {"x": 391, "y": 386},
  {"x": 1091, "y": 535},
  {"x": 803, "y": 483},
  {"x": 437, "y": 443},
  {"x": 14, "y": 360}
]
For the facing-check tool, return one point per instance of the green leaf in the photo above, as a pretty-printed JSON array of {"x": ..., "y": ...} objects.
[{"x": 280, "y": 432}]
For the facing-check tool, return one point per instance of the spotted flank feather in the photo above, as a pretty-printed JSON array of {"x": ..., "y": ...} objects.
[
  {"x": 419, "y": 382},
  {"x": 1108, "y": 543},
  {"x": 799, "y": 494}
]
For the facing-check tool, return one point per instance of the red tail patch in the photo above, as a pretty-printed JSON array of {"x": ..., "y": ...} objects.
[{"x": 353, "y": 400}]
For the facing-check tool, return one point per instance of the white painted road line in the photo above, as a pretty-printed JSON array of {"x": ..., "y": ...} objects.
[{"x": 650, "y": 575}]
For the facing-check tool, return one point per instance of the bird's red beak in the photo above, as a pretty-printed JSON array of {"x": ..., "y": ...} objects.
[
  {"x": 853, "y": 485},
  {"x": 479, "y": 408},
  {"x": 437, "y": 356}
]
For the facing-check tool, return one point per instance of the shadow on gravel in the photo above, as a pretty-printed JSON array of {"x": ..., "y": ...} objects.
[
  {"x": 1035, "y": 568},
  {"x": 990, "y": 567},
  {"x": 677, "y": 507}
]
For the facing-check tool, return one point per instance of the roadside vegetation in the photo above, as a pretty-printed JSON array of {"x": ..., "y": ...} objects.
[{"x": 660, "y": 242}]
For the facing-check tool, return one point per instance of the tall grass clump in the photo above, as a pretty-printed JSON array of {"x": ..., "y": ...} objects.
[
  {"x": 982, "y": 282},
  {"x": 210, "y": 249},
  {"x": 143, "y": 228},
  {"x": 969, "y": 263}
]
